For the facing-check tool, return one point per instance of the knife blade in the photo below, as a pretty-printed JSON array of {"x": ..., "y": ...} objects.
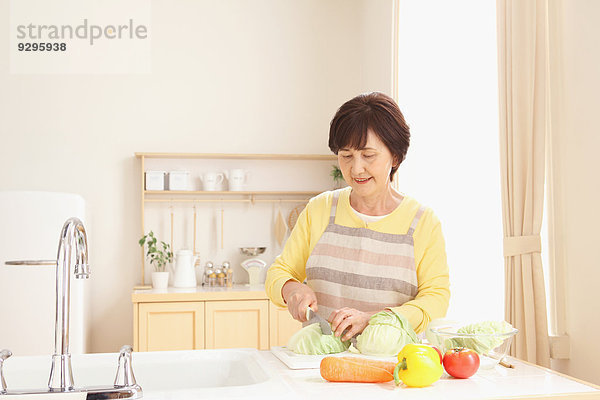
[{"x": 312, "y": 317}]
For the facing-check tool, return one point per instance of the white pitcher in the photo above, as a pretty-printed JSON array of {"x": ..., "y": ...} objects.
[{"x": 185, "y": 275}]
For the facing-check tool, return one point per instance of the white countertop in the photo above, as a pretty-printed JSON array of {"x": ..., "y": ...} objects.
[
  {"x": 201, "y": 293},
  {"x": 524, "y": 381},
  {"x": 237, "y": 287},
  {"x": 252, "y": 374}
]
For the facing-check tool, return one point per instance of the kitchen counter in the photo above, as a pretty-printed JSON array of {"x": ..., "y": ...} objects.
[
  {"x": 525, "y": 381},
  {"x": 200, "y": 293}
]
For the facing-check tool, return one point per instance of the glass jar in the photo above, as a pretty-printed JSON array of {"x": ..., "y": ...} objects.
[
  {"x": 209, "y": 274},
  {"x": 228, "y": 274},
  {"x": 219, "y": 276}
]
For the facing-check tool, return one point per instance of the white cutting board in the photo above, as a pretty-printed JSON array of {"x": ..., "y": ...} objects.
[{"x": 302, "y": 361}]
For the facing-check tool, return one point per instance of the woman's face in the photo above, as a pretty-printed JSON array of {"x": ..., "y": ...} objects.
[{"x": 367, "y": 170}]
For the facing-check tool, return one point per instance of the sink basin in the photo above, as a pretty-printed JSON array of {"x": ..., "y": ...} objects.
[{"x": 201, "y": 373}]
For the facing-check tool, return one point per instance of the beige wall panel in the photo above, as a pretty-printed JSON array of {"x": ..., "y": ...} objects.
[
  {"x": 575, "y": 101},
  {"x": 227, "y": 77}
]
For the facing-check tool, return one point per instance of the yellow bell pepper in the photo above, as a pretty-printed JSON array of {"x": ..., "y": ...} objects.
[{"x": 418, "y": 366}]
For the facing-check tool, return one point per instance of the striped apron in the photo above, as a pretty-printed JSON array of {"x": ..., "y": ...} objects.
[{"x": 360, "y": 268}]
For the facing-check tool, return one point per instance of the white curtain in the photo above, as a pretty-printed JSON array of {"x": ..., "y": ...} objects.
[{"x": 523, "y": 95}]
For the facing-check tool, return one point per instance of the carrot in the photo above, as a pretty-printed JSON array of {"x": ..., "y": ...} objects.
[{"x": 356, "y": 369}]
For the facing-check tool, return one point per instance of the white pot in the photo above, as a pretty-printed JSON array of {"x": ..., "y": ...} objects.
[{"x": 160, "y": 280}]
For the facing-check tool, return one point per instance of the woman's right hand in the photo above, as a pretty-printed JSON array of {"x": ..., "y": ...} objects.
[{"x": 298, "y": 297}]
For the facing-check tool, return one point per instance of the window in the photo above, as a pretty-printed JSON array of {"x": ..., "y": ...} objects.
[{"x": 448, "y": 92}]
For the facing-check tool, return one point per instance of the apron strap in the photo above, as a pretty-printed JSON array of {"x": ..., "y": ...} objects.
[
  {"x": 334, "y": 203},
  {"x": 415, "y": 221}
]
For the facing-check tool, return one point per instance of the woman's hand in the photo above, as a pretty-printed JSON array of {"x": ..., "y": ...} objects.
[
  {"x": 298, "y": 297},
  {"x": 353, "y": 320}
]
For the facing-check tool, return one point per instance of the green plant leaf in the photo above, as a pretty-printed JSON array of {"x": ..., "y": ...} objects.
[{"x": 158, "y": 258}]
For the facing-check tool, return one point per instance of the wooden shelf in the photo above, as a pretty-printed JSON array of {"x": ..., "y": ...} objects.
[
  {"x": 180, "y": 196},
  {"x": 224, "y": 156},
  {"x": 164, "y": 193}
]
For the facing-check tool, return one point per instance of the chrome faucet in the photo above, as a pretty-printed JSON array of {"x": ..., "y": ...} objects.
[{"x": 72, "y": 246}]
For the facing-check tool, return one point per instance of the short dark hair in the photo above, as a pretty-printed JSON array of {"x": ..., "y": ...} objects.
[{"x": 375, "y": 111}]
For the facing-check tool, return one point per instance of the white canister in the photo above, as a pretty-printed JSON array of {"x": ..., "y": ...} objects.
[
  {"x": 179, "y": 180},
  {"x": 155, "y": 180},
  {"x": 236, "y": 179}
]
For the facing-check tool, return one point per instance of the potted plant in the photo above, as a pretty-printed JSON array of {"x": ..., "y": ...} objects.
[
  {"x": 159, "y": 258},
  {"x": 338, "y": 178}
]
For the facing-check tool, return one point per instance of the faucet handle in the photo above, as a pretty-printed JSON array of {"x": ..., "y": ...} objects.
[
  {"x": 4, "y": 354},
  {"x": 125, "y": 376},
  {"x": 125, "y": 349}
]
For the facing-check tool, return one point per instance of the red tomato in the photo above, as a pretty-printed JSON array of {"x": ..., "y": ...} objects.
[{"x": 460, "y": 362}]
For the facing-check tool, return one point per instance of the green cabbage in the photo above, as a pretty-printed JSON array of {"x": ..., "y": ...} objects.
[
  {"x": 311, "y": 340},
  {"x": 482, "y": 344},
  {"x": 385, "y": 336}
]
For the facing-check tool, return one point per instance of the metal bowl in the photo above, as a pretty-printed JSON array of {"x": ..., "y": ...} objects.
[{"x": 252, "y": 251}]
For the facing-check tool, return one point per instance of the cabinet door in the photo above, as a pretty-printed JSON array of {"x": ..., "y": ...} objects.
[
  {"x": 237, "y": 323},
  {"x": 171, "y": 326},
  {"x": 282, "y": 325}
]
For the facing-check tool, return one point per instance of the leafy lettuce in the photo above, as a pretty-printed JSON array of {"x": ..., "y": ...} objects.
[
  {"x": 483, "y": 344},
  {"x": 311, "y": 340}
]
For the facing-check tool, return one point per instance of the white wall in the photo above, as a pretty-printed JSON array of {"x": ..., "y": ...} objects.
[
  {"x": 575, "y": 62},
  {"x": 227, "y": 76}
]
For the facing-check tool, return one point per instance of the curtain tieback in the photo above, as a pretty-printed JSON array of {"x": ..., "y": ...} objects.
[{"x": 517, "y": 245}]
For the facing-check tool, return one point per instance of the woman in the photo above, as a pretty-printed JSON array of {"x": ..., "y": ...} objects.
[{"x": 367, "y": 247}]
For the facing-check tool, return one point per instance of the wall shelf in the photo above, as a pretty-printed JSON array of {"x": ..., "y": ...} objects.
[
  {"x": 155, "y": 196},
  {"x": 199, "y": 196},
  {"x": 164, "y": 193},
  {"x": 225, "y": 156}
]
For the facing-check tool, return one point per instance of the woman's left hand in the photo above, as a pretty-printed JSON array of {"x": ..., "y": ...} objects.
[{"x": 351, "y": 319}]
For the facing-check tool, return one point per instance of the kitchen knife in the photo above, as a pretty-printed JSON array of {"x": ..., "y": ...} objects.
[{"x": 313, "y": 317}]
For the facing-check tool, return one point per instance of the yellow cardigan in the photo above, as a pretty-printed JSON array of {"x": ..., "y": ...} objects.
[{"x": 430, "y": 255}]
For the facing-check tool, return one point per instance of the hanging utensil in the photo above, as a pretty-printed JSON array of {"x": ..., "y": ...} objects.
[
  {"x": 222, "y": 218},
  {"x": 194, "y": 245},
  {"x": 172, "y": 223},
  {"x": 293, "y": 216},
  {"x": 281, "y": 227}
]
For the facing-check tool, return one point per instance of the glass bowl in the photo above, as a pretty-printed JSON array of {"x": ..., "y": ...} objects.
[{"x": 491, "y": 348}]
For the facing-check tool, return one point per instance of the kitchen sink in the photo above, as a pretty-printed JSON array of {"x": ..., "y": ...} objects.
[{"x": 201, "y": 373}]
